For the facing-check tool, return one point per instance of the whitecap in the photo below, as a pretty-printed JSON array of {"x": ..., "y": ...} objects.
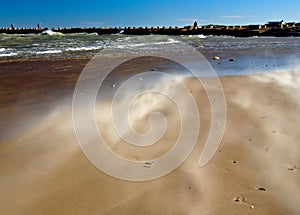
[
  {"x": 120, "y": 46},
  {"x": 170, "y": 41},
  {"x": 49, "y": 52},
  {"x": 137, "y": 45},
  {"x": 49, "y": 32},
  {"x": 93, "y": 34},
  {"x": 84, "y": 48},
  {"x": 201, "y": 36},
  {"x": 8, "y": 54}
]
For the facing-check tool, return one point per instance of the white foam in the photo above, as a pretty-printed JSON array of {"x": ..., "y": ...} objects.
[
  {"x": 201, "y": 36},
  {"x": 49, "y": 32},
  {"x": 137, "y": 45},
  {"x": 120, "y": 46},
  {"x": 170, "y": 41},
  {"x": 49, "y": 52},
  {"x": 84, "y": 48},
  {"x": 8, "y": 54},
  {"x": 2, "y": 49}
]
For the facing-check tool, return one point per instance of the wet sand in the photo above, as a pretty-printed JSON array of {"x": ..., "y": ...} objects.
[{"x": 43, "y": 170}]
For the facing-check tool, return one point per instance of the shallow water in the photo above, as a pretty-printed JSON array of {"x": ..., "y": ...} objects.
[{"x": 249, "y": 55}]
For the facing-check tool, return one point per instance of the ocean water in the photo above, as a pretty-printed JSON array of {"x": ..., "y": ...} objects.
[{"x": 250, "y": 55}]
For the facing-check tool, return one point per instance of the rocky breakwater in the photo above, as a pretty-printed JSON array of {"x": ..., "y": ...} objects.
[{"x": 237, "y": 31}]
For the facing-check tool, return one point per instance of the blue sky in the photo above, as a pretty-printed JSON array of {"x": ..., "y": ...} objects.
[{"x": 99, "y": 13}]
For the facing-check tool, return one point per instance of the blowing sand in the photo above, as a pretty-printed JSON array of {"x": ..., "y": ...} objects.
[{"x": 256, "y": 170}]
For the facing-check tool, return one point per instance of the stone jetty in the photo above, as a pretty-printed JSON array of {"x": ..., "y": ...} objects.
[{"x": 277, "y": 29}]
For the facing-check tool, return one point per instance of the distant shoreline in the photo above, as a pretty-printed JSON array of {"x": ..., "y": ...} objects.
[{"x": 276, "y": 29}]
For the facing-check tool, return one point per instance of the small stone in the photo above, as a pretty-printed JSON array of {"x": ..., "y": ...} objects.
[
  {"x": 261, "y": 188},
  {"x": 234, "y": 162},
  {"x": 189, "y": 187},
  {"x": 240, "y": 199},
  {"x": 251, "y": 206},
  {"x": 148, "y": 164},
  {"x": 216, "y": 58},
  {"x": 231, "y": 60},
  {"x": 292, "y": 168}
]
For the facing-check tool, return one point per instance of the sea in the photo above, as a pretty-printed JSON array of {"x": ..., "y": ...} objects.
[{"x": 227, "y": 55}]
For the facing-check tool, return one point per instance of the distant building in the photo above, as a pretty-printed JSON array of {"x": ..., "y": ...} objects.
[
  {"x": 290, "y": 24},
  {"x": 276, "y": 24}
]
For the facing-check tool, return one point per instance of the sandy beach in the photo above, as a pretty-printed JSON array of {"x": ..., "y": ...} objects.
[{"x": 256, "y": 169}]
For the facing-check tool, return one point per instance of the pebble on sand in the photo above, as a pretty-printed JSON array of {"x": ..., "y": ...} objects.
[
  {"x": 261, "y": 188},
  {"x": 240, "y": 199},
  {"x": 216, "y": 58},
  {"x": 292, "y": 168}
]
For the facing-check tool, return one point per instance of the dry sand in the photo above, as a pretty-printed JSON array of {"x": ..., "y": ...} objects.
[{"x": 255, "y": 171}]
